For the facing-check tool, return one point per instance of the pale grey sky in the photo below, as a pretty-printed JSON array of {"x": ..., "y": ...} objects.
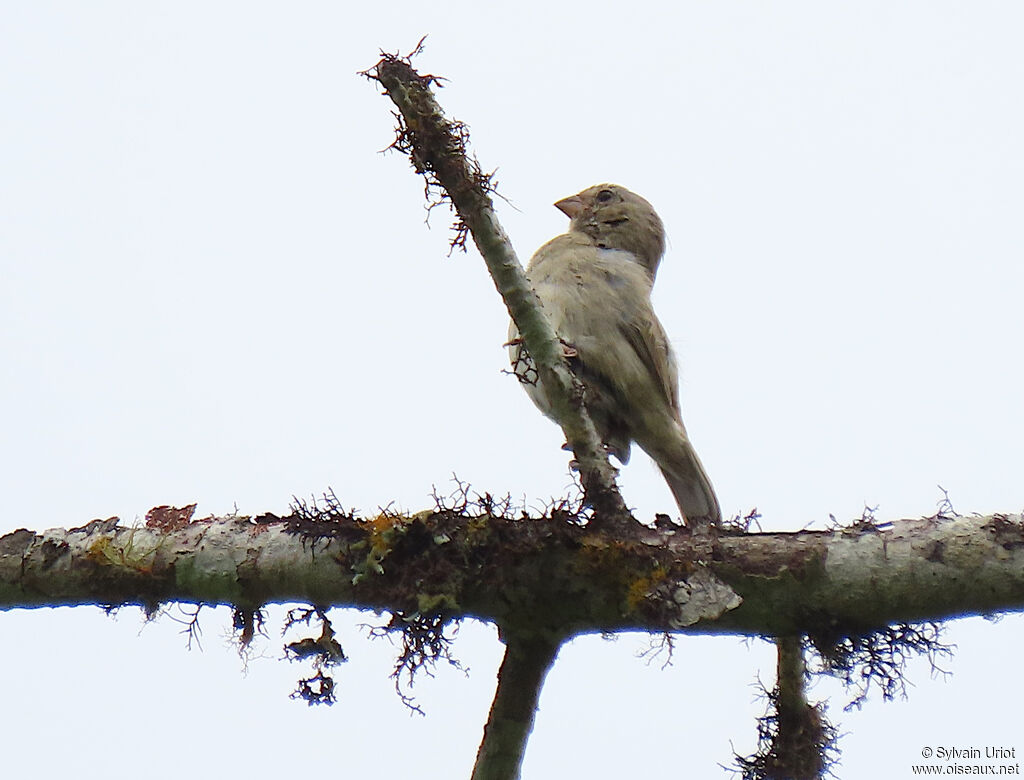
[{"x": 214, "y": 289}]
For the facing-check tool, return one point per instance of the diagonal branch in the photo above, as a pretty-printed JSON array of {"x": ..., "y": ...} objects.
[
  {"x": 528, "y": 658},
  {"x": 437, "y": 148}
]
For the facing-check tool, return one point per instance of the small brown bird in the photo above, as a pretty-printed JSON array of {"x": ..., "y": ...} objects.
[{"x": 595, "y": 285}]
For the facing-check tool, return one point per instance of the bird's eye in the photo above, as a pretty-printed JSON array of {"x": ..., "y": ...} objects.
[
  {"x": 604, "y": 196},
  {"x": 616, "y": 222}
]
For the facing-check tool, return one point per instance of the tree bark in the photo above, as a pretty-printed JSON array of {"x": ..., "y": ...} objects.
[
  {"x": 550, "y": 574},
  {"x": 528, "y": 658}
]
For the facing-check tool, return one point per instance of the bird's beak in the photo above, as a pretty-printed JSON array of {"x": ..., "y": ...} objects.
[{"x": 572, "y": 206}]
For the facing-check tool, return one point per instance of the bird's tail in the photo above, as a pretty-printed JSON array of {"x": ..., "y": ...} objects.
[{"x": 689, "y": 484}]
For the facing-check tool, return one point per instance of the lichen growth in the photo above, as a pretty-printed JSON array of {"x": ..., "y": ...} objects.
[{"x": 122, "y": 550}]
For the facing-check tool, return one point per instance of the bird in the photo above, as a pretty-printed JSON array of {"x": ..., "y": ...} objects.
[{"x": 594, "y": 283}]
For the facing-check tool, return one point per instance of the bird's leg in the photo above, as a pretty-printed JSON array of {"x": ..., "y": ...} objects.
[{"x": 568, "y": 350}]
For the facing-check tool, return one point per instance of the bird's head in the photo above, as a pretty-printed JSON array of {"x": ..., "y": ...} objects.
[{"x": 616, "y": 218}]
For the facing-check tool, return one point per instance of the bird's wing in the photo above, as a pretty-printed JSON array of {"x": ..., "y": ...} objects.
[{"x": 647, "y": 338}]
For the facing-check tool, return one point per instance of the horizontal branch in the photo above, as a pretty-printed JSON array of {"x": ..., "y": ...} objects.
[{"x": 548, "y": 574}]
